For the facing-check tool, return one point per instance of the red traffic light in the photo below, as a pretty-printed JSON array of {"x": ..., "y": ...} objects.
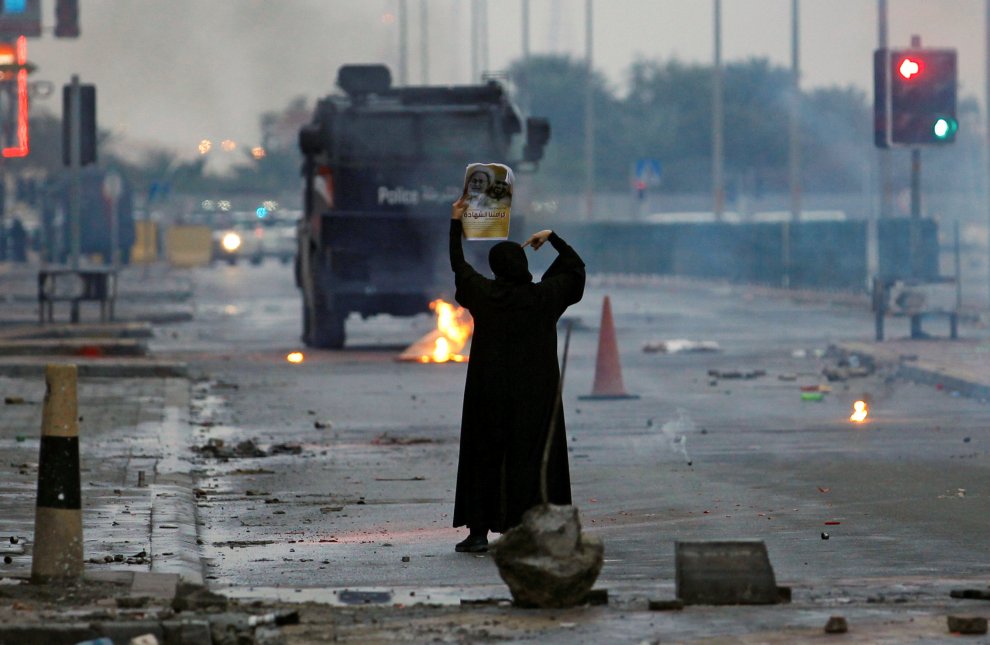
[{"x": 910, "y": 67}]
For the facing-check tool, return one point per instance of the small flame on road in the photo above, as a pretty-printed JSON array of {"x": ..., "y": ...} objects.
[
  {"x": 295, "y": 357},
  {"x": 455, "y": 326},
  {"x": 446, "y": 342},
  {"x": 860, "y": 411}
]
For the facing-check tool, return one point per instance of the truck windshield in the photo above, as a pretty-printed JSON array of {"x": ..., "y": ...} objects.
[{"x": 414, "y": 137}]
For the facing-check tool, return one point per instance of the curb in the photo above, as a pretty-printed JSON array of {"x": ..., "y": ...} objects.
[
  {"x": 922, "y": 372},
  {"x": 178, "y": 632},
  {"x": 174, "y": 519},
  {"x": 34, "y": 366},
  {"x": 926, "y": 374}
]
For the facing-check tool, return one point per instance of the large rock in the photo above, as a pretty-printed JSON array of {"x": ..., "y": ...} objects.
[{"x": 546, "y": 561}]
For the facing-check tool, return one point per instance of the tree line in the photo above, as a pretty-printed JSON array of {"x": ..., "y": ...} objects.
[{"x": 663, "y": 112}]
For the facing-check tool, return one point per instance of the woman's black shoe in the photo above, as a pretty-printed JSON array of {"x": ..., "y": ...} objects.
[{"x": 473, "y": 544}]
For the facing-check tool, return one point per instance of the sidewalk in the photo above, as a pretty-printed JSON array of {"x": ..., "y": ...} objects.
[
  {"x": 139, "y": 514},
  {"x": 956, "y": 366},
  {"x": 154, "y": 293}
]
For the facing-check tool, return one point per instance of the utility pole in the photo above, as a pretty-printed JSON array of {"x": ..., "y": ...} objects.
[
  {"x": 794, "y": 130},
  {"x": 479, "y": 39},
  {"x": 883, "y": 156},
  {"x": 718, "y": 190},
  {"x": 915, "y": 224},
  {"x": 424, "y": 42},
  {"x": 589, "y": 113},
  {"x": 794, "y": 140},
  {"x": 75, "y": 161},
  {"x": 525, "y": 31},
  {"x": 403, "y": 42},
  {"x": 986, "y": 111}
]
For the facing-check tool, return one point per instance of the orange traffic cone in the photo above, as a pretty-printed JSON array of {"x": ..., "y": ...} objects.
[{"x": 608, "y": 371}]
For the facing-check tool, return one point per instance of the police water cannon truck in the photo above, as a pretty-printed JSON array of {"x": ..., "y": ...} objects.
[{"x": 382, "y": 165}]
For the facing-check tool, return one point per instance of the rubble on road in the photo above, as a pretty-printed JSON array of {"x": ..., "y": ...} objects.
[
  {"x": 681, "y": 346},
  {"x": 836, "y": 625},
  {"x": 736, "y": 374},
  {"x": 971, "y": 625},
  {"x": 247, "y": 449}
]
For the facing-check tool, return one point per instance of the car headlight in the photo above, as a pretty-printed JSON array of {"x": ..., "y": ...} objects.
[{"x": 231, "y": 242}]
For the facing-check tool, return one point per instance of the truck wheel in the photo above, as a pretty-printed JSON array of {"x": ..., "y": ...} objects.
[{"x": 329, "y": 332}]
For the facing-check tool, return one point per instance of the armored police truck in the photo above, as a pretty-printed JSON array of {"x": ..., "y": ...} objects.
[{"x": 382, "y": 165}]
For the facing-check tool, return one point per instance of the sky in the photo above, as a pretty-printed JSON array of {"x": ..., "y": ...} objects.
[{"x": 173, "y": 72}]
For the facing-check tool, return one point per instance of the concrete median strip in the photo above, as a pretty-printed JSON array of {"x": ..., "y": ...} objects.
[
  {"x": 90, "y": 347},
  {"x": 120, "y": 367}
]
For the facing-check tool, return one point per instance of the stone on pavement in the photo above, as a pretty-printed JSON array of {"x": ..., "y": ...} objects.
[{"x": 546, "y": 561}]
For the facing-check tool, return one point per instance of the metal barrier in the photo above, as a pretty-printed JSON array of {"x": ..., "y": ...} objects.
[
  {"x": 91, "y": 284},
  {"x": 823, "y": 255}
]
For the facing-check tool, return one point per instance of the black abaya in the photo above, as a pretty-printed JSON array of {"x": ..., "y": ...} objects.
[{"x": 511, "y": 388}]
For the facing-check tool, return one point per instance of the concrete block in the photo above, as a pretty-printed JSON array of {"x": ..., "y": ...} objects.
[
  {"x": 970, "y": 625},
  {"x": 154, "y": 585},
  {"x": 725, "y": 573},
  {"x": 187, "y": 632}
]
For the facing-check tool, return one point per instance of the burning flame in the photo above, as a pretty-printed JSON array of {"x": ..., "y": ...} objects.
[
  {"x": 860, "y": 410},
  {"x": 295, "y": 357},
  {"x": 454, "y": 328}
]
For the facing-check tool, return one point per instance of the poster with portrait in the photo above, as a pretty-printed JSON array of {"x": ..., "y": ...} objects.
[{"x": 488, "y": 191}]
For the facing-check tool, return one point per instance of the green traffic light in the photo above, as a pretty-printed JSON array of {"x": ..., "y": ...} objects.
[{"x": 944, "y": 128}]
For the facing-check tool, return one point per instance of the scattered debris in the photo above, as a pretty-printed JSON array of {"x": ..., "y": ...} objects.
[
  {"x": 14, "y": 400},
  {"x": 285, "y": 449},
  {"x": 216, "y": 449},
  {"x": 836, "y": 625},
  {"x": 681, "y": 346},
  {"x": 191, "y": 597},
  {"x": 813, "y": 396},
  {"x": 967, "y": 625},
  {"x": 737, "y": 374},
  {"x": 355, "y": 597},
  {"x": 322, "y": 425},
  {"x": 240, "y": 544},
  {"x": 825, "y": 535},
  {"x": 971, "y": 594},
  {"x": 385, "y": 440},
  {"x": 848, "y": 367}
]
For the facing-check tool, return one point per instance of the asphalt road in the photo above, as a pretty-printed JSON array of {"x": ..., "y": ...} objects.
[{"x": 366, "y": 502}]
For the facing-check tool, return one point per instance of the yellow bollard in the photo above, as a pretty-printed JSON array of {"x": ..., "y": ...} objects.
[{"x": 58, "y": 544}]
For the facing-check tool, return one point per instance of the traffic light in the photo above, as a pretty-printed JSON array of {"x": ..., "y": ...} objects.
[
  {"x": 915, "y": 100},
  {"x": 66, "y": 18},
  {"x": 87, "y": 125}
]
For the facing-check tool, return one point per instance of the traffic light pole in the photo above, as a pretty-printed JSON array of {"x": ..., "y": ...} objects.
[
  {"x": 914, "y": 228},
  {"x": 915, "y": 225},
  {"x": 75, "y": 155}
]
